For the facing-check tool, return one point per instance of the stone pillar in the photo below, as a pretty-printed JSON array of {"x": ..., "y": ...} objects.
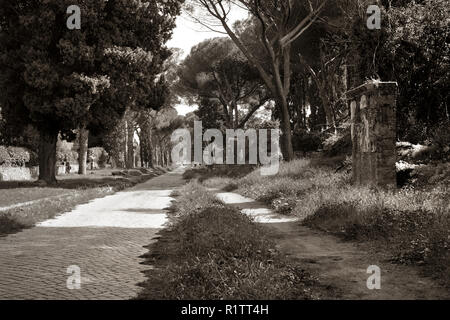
[{"x": 373, "y": 131}]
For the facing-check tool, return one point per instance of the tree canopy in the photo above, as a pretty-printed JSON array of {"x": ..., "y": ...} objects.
[
  {"x": 58, "y": 79},
  {"x": 217, "y": 77}
]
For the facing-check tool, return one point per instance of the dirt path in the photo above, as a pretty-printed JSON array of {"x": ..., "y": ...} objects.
[
  {"x": 104, "y": 238},
  {"x": 341, "y": 266}
]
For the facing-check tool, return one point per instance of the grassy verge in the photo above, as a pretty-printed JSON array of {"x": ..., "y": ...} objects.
[
  {"x": 212, "y": 251},
  {"x": 46, "y": 203},
  {"x": 19, "y": 218},
  {"x": 411, "y": 225},
  {"x": 222, "y": 171},
  {"x": 9, "y": 197}
]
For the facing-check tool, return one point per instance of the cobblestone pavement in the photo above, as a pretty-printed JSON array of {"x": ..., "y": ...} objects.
[{"x": 104, "y": 238}]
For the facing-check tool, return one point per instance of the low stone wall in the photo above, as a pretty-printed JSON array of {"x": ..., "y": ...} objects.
[{"x": 18, "y": 173}]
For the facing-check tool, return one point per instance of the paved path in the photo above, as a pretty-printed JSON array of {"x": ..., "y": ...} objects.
[
  {"x": 257, "y": 210},
  {"x": 104, "y": 238}
]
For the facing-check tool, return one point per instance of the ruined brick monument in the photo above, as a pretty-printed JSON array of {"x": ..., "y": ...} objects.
[{"x": 373, "y": 125}]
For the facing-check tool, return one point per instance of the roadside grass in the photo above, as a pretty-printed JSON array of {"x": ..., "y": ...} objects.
[
  {"x": 411, "y": 224},
  {"x": 224, "y": 171},
  {"x": 191, "y": 199},
  {"x": 212, "y": 251},
  {"x": 48, "y": 202},
  {"x": 9, "y": 197}
]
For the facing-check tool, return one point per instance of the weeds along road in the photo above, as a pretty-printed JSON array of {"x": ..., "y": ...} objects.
[{"x": 103, "y": 238}]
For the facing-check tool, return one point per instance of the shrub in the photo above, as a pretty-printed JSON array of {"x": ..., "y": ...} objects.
[
  {"x": 306, "y": 142},
  {"x": 103, "y": 158},
  {"x": 339, "y": 143},
  {"x": 5, "y": 158},
  {"x": 95, "y": 153},
  {"x": 66, "y": 155},
  {"x": 14, "y": 156},
  {"x": 441, "y": 138}
]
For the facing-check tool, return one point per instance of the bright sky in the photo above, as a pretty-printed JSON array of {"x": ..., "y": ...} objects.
[{"x": 189, "y": 33}]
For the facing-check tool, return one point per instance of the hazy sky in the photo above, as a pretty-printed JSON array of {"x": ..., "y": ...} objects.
[{"x": 188, "y": 33}]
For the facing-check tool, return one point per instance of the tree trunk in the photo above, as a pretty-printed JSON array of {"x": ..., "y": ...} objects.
[
  {"x": 282, "y": 91},
  {"x": 235, "y": 115},
  {"x": 157, "y": 155},
  {"x": 83, "y": 137},
  {"x": 130, "y": 149},
  {"x": 150, "y": 149},
  {"x": 162, "y": 156},
  {"x": 47, "y": 156},
  {"x": 150, "y": 153},
  {"x": 287, "y": 149},
  {"x": 114, "y": 162},
  {"x": 329, "y": 114},
  {"x": 146, "y": 146},
  {"x": 141, "y": 148},
  {"x": 142, "y": 155},
  {"x": 166, "y": 158}
]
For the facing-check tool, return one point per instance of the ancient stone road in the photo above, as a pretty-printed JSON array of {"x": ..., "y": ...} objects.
[{"x": 104, "y": 238}]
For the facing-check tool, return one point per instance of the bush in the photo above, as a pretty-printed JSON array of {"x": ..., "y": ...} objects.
[
  {"x": 441, "y": 138},
  {"x": 338, "y": 144},
  {"x": 102, "y": 159},
  {"x": 306, "y": 142},
  {"x": 66, "y": 155},
  {"x": 95, "y": 153},
  {"x": 14, "y": 156},
  {"x": 5, "y": 158}
]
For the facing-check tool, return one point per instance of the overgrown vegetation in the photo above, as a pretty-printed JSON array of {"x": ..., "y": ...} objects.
[
  {"x": 213, "y": 251},
  {"x": 412, "y": 223},
  {"x": 203, "y": 173}
]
